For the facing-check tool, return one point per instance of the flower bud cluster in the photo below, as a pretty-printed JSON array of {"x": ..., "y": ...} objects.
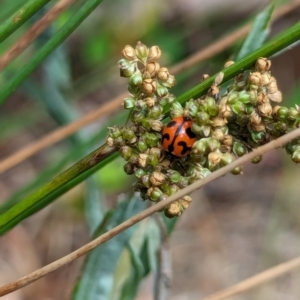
[
  {"x": 246, "y": 116},
  {"x": 139, "y": 143}
]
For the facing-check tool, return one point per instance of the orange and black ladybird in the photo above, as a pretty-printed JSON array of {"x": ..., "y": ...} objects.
[{"x": 178, "y": 137}]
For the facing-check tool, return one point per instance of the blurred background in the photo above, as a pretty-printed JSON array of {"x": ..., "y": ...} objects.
[{"x": 236, "y": 227}]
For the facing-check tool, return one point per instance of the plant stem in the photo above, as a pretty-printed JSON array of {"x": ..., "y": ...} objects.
[
  {"x": 56, "y": 187},
  {"x": 85, "y": 10},
  {"x": 20, "y": 17}
]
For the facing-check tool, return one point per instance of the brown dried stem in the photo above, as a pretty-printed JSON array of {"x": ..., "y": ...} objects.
[
  {"x": 13, "y": 286},
  {"x": 33, "y": 32}
]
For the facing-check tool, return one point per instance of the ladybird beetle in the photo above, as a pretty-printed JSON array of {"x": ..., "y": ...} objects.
[{"x": 178, "y": 137}]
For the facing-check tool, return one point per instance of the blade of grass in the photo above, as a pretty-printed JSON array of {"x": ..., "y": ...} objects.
[
  {"x": 20, "y": 17},
  {"x": 258, "y": 33},
  {"x": 281, "y": 41},
  {"x": 85, "y": 10}
]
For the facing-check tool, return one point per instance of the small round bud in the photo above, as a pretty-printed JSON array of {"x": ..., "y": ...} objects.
[
  {"x": 157, "y": 178},
  {"x": 155, "y": 112},
  {"x": 137, "y": 117},
  {"x": 214, "y": 158},
  {"x": 149, "y": 86},
  {"x": 293, "y": 114},
  {"x": 218, "y": 134},
  {"x": 263, "y": 64},
  {"x": 136, "y": 79},
  {"x": 265, "y": 109},
  {"x": 141, "y": 51},
  {"x": 255, "y": 118},
  {"x": 126, "y": 68},
  {"x": 145, "y": 181},
  {"x": 174, "y": 176},
  {"x": 150, "y": 101},
  {"x": 237, "y": 171},
  {"x": 272, "y": 86},
  {"x": 129, "y": 168},
  {"x": 163, "y": 74},
  {"x": 239, "y": 149},
  {"x": 265, "y": 78},
  {"x": 139, "y": 173},
  {"x": 228, "y": 63},
  {"x": 170, "y": 82},
  {"x": 244, "y": 97},
  {"x": 152, "y": 68},
  {"x": 128, "y": 103},
  {"x": 232, "y": 97},
  {"x": 255, "y": 79},
  {"x": 202, "y": 118},
  {"x": 257, "y": 159},
  {"x": 161, "y": 90},
  {"x": 296, "y": 156},
  {"x": 275, "y": 97},
  {"x": 156, "y": 125},
  {"x": 228, "y": 140},
  {"x": 155, "y": 151},
  {"x": 125, "y": 152},
  {"x": 218, "y": 121},
  {"x": 129, "y": 53},
  {"x": 152, "y": 139},
  {"x": 141, "y": 146},
  {"x": 152, "y": 160},
  {"x": 110, "y": 141},
  {"x": 154, "y": 54},
  {"x": 155, "y": 194},
  {"x": 142, "y": 159}
]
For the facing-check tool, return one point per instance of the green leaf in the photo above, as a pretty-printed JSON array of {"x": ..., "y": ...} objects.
[
  {"x": 258, "y": 33},
  {"x": 98, "y": 272}
]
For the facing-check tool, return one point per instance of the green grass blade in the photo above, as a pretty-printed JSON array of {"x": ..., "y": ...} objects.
[
  {"x": 20, "y": 17},
  {"x": 85, "y": 10},
  {"x": 258, "y": 33},
  {"x": 98, "y": 273}
]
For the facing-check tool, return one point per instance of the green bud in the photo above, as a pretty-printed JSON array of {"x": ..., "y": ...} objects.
[
  {"x": 137, "y": 117},
  {"x": 202, "y": 118},
  {"x": 237, "y": 171},
  {"x": 152, "y": 139},
  {"x": 147, "y": 124},
  {"x": 176, "y": 110},
  {"x": 129, "y": 103},
  {"x": 238, "y": 107},
  {"x": 155, "y": 112},
  {"x": 139, "y": 173},
  {"x": 136, "y": 79},
  {"x": 226, "y": 159},
  {"x": 239, "y": 149},
  {"x": 174, "y": 176},
  {"x": 114, "y": 132},
  {"x": 141, "y": 52},
  {"x": 125, "y": 152},
  {"x": 296, "y": 156},
  {"x": 293, "y": 114},
  {"x": 258, "y": 137},
  {"x": 282, "y": 113},
  {"x": 196, "y": 128},
  {"x": 134, "y": 158},
  {"x": 249, "y": 109},
  {"x": 152, "y": 160},
  {"x": 145, "y": 181},
  {"x": 129, "y": 168},
  {"x": 127, "y": 134},
  {"x": 141, "y": 146},
  {"x": 232, "y": 97},
  {"x": 127, "y": 68},
  {"x": 161, "y": 90},
  {"x": 191, "y": 107},
  {"x": 170, "y": 82},
  {"x": 244, "y": 97},
  {"x": 133, "y": 90},
  {"x": 281, "y": 126},
  {"x": 253, "y": 97},
  {"x": 200, "y": 147},
  {"x": 213, "y": 144},
  {"x": 291, "y": 147},
  {"x": 173, "y": 188},
  {"x": 156, "y": 194},
  {"x": 213, "y": 110},
  {"x": 257, "y": 159}
]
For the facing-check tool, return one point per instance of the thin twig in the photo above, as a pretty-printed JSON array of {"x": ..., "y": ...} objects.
[
  {"x": 256, "y": 280},
  {"x": 114, "y": 104},
  {"x": 13, "y": 286},
  {"x": 33, "y": 32}
]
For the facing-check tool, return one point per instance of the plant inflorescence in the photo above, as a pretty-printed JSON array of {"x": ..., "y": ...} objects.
[{"x": 225, "y": 126}]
